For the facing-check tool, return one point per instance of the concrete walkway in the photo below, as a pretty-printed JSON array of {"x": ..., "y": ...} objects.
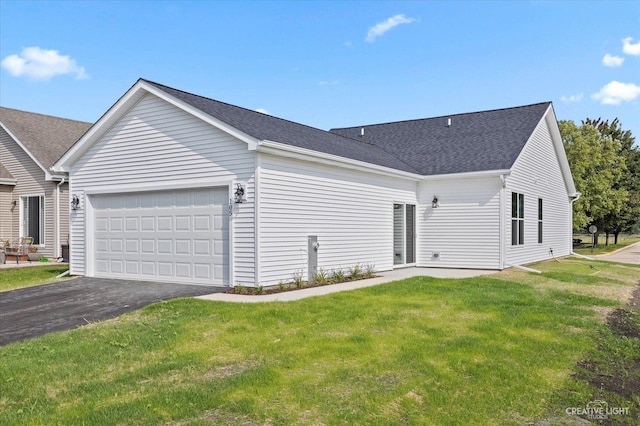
[
  {"x": 385, "y": 277},
  {"x": 629, "y": 254}
]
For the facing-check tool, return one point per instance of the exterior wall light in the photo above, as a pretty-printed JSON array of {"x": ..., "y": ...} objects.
[
  {"x": 75, "y": 201},
  {"x": 238, "y": 195},
  {"x": 435, "y": 202}
]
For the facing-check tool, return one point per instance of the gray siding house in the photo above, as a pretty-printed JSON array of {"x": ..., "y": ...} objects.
[
  {"x": 178, "y": 187},
  {"x": 33, "y": 199}
]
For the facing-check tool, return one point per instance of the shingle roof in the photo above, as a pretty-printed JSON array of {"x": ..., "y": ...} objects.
[
  {"x": 478, "y": 141},
  {"x": 46, "y": 137},
  {"x": 4, "y": 173},
  {"x": 267, "y": 127}
]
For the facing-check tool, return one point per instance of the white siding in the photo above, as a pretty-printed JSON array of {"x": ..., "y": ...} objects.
[
  {"x": 464, "y": 230},
  {"x": 351, "y": 212},
  {"x": 156, "y": 143},
  {"x": 537, "y": 174}
]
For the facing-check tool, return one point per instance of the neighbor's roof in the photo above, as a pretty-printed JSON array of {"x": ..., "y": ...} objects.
[
  {"x": 265, "y": 127},
  {"x": 45, "y": 137},
  {"x": 478, "y": 141}
]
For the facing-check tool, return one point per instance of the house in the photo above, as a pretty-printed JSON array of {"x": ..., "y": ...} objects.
[
  {"x": 178, "y": 187},
  {"x": 33, "y": 199}
]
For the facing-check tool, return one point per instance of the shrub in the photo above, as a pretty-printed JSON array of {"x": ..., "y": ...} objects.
[
  {"x": 355, "y": 272},
  {"x": 297, "y": 279},
  {"x": 337, "y": 276}
]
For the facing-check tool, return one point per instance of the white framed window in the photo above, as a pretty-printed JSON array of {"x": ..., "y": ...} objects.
[
  {"x": 517, "y": 219},
  {"x": 539, "y": 220},
  {"x": 32, "y": 218}
]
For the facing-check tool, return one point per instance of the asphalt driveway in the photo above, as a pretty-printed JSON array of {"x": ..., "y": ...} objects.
[{"x": 35, "y": 311}]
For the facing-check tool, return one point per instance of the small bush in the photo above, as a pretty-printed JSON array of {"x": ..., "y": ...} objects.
[
  {"x": 259, "y": 289},
  {"x": 321, "y": 277},
  {"x": 297, "y": 279},
  {"x": 338, "y": 276},
  {"x": 355, "y": 272},
  {"x": 369, "y": 270}
]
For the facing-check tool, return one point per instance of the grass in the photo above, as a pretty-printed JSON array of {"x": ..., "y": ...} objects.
[
  {"x": 623, "y": 241},
  {"x": 11, "y": 279},
  {"x": 501, "y": 349}
]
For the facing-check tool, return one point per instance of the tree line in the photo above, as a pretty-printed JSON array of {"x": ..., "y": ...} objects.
[{"x": 605, "y": 166}]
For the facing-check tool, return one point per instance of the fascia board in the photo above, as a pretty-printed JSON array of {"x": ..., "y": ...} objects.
[
  {"x": 11, "y": 182},
  {"x": 219, "y": 124},
  {"x": 556, "y": 137},
  {"x": 24, "y": 148},
  {"x": 468, "y": 175},
  {"x": 284, "y": 150}
]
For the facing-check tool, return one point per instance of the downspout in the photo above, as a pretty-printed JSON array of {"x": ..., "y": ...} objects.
[
  {"x": 577, "y": 197},
  {"x": 57, "y": 248},
  {"x": 502, "y": 223}
]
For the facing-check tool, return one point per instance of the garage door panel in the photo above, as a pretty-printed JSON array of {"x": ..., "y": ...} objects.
[{"x": 180, "y": 235}]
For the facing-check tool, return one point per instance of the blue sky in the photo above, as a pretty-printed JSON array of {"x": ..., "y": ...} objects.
[{"x": 327, "y": 64}]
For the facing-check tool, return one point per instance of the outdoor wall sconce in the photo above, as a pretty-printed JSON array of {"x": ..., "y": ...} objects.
[
  {"x": 239, "y": 194},
  {"x": 14, "y": 203},
  {"x": 435, "y": 202},
  {"x": 75, "y": 201}
]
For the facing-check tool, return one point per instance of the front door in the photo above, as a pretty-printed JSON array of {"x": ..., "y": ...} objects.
[{"x": 404, "y": 242}]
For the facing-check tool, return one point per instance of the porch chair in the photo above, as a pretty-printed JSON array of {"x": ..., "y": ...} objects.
[{"x": 22, "y": 249}]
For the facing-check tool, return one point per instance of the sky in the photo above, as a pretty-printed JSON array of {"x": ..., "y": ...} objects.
[{"x": 327, "y": 64}]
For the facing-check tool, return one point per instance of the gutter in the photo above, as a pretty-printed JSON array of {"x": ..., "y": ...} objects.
[{"x": 576, "y": 197}]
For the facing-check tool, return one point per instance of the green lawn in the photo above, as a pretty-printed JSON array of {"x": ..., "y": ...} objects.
[
  {"x": 623, "y": 241},
  {"x": 501, "y": 349},
  {"x": 10, "y": 279}
]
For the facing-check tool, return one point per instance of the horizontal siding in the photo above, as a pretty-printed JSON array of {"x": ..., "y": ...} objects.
[
  {"x": 30, "y": 180},
  {"x": 350, "y": 212},
  {"x": 157, "y": 143},
  {"x": 6, "y": 212},
  {"x": 464, "y": 230},
  {"x": 537, "y": 174}
]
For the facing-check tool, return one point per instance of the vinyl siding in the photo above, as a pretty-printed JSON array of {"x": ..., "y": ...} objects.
[
  {"x": 156, "y": 143},
  {"x": 6, "y": 220},
  {"x": 350, "y": 212},
  {"x": 464, "y": 230},
  {"x": 537, "y": 174},
  {"x": 30, "y": 181}
]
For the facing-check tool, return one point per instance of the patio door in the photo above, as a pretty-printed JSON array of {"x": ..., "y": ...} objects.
[{"x": 404, "y": 240}]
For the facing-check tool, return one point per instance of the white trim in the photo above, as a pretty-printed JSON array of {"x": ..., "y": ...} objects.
[
  {"x": 404, "y": 235},
  {"x": 43, "y": 226},
  {"x": 289, "y": 151},
  {"x": 7, "y": 181},
  {"x": 558, "y": 145},
  {"x": 256, "y": 216},
  {"x": 56, "y": 248},
  {"x": 468, "y": 175},
  {"x": 158, "y": 186}
]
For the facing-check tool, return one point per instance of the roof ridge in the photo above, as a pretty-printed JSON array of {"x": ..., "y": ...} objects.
[
  {"x": 46, "y": 115},
  {"x": 442, "y": 116}
]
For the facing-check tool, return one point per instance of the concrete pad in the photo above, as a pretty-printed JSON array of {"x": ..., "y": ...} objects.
[
  {"x": 384, "y": 277},
  {"x": 629, "y": 254}
]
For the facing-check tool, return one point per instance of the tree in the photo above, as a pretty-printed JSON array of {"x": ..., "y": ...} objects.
[
  {"x": 629, "y": 216},
  {"x": 597, "y": 168}
]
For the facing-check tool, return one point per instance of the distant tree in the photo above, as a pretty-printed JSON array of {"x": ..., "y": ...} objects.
[
  {"x": 629, "y": 216},
  {"x": 597, "y": 168}
]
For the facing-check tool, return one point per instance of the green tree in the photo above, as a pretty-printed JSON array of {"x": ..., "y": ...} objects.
[
  {"x": 597, "y": 168},
  {"x": 629, "y": 216}
]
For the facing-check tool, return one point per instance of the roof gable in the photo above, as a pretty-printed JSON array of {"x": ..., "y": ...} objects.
[
  {"x": 461, "y": 143},
  {"x": 43, "y": 137}
]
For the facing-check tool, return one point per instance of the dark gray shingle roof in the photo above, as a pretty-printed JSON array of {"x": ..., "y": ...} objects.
[
  {"x": 267, "y": 127},
  {"x": 46, "y": 137},
  {"x": 478, "y": 141}
]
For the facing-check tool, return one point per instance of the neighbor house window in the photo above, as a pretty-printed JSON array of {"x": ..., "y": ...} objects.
[
  {"x": 539, "y": 220},
  {"x": 33, "y": 218},
  {"x": 517, "y": 219}
]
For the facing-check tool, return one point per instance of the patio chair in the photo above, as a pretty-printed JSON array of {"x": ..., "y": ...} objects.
[{"x": 22, "y": 250}]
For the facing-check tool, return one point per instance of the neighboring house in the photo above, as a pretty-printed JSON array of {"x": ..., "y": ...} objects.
[
  {"x": 33, "y": 199},
  {"x": 178, "y": 187}
]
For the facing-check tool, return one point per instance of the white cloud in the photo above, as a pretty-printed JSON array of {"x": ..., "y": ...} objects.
[
  {"x": 612, "y": 61},
  {"x": 629, "y": 48},
  {"x": 615, "y": 93},
  {"x": 382, "y": 27},
  {"x": 42, "y": 64},
  {"x": 572, "y": 98},
  {"x": 263, "y": 111}
]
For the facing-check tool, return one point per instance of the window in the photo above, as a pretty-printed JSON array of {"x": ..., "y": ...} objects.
[
  {"x": 33, "y": 218},
  {"x": 539, "y": 220},
  {"x": 517, "y": 219}
]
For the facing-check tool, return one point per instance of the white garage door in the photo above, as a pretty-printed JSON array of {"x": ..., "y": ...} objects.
[{"x": 180, "y": 236}]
